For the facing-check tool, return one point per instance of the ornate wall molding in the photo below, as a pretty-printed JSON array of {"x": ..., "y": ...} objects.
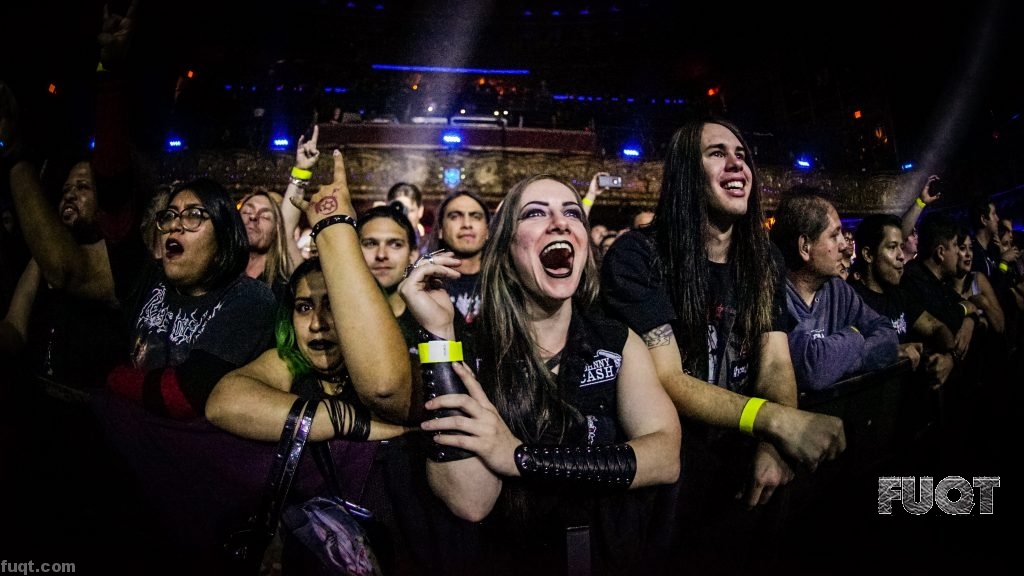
[{"x": 372, "y": 170}]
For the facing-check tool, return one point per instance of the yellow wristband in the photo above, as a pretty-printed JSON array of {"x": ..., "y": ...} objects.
[
  {"x": 964, "y": 306},
  {"x": 1004, "y": 267},
  {"x": 587, "y": 201},
  {"x": 301, "y": 174},
  {"x": 920, "y": 202},
  {"x": 440, "y": 351},
  {"x": 750, "y": 411}
]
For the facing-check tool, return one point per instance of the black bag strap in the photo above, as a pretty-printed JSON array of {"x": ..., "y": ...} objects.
[
  {"x": 286, "y": 461},
  {"x": 325, "y": 462}
]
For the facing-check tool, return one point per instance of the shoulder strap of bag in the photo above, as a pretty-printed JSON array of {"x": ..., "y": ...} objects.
[
  {"x": 289, "y": 450},
  {"x": 325, "y": 462}
]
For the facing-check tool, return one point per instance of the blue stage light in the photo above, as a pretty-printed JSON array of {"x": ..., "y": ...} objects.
[
  {"x": 451, "y": 70},
  {"x": 452, "y": 177},
  {"x": 451, "y": 139}
]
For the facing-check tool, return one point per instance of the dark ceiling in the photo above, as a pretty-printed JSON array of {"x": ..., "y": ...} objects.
[{"x": 942, "y": 82}]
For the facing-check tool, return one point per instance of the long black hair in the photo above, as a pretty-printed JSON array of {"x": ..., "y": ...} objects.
[{"x": 680, "y": 222}]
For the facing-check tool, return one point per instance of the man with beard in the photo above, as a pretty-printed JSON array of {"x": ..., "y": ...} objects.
[
  {"x": 72, "y": 336},
  {"x": 462, "y": 221},
  {"x": 87, "y": 252}
]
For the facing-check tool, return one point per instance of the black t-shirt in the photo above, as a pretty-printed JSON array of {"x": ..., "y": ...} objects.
[
  {"x": 894, "y": 304},
  {"x": 634, "y": 289},
  {"x": 74, "y": 341},
  {"x": 465, "y": 294},
  {"x": 715, "y": 460},
  {"x": 937, "y": 297}
]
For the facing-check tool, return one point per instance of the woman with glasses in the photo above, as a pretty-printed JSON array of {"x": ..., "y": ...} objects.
[
  {"x": 193, "y": 317},
  {"x": 200, "y": 316}
]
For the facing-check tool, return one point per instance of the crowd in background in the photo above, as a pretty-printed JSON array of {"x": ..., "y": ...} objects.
[{"x": 646, "y": 384}]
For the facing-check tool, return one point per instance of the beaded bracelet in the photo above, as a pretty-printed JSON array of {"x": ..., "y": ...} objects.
[{"x": 330, "y": 221}]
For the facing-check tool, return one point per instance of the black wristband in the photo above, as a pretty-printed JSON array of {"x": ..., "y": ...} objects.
[
  {"x": 439, "y": 378},
  {"x": 330, "y": 221},
  {"x": 611, "y": 465},
  {"x": 427, "y": 336},
  {"x": 355, "y": 415},
  {"x": 360, "y": 429}
]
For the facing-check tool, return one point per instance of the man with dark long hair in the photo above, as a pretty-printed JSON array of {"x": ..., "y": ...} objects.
[{"x": 702, "y": 285}]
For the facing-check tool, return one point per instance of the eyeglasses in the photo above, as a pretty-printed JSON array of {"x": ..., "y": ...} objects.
[{"x": 191, "y": 219}]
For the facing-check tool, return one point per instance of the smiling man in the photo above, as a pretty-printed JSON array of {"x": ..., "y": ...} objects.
[
  {"x": 924, "y": 340},
  {"x": 703, "y": 287}
]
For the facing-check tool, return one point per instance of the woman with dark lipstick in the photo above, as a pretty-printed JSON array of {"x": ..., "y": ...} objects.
[{"x": 202, "y": 317}]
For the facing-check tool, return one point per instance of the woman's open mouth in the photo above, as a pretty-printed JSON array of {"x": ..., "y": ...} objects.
[
  {"x": 173, "y": 247},
  {"x": 557, "y": 259}
]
